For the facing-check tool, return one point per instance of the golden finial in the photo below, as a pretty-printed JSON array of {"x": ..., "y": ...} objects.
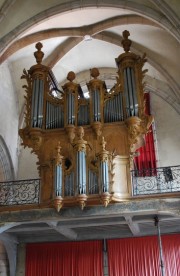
[
  {"x": 94, "y": 73},
  {"x": 58, "y": 203},
  {"x": 82, "y": 199},
  {"x": 103, "y": 143},
  {"x": 71, "y": 76},
  {"x": 59, "y": 157},
  {"x": 39, "y": 54},
  {"x": 126, "y": 42},
  {"x": 105, "y": 199}
]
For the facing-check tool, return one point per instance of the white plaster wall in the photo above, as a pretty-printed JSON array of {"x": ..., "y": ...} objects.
[
  {"x": 167, "y": 122},
  {"x": 9, "y": 113},
  {"x": 27, "y": 165}
]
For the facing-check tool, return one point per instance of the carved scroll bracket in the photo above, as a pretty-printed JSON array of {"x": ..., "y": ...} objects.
[
  {"x": 137, "y": 128},
  {"x": 31, "y": 138}
]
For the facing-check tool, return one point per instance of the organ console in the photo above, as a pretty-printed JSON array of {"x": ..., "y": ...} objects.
[{"x": 84, "y": 145}]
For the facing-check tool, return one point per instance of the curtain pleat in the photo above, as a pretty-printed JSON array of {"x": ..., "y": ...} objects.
[
  {"x": 65, "y": 259},
  {"x": 141, "y": 257}
]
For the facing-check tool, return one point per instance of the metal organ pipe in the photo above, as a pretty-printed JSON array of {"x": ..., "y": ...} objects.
[
  {"x": 80, "y": 147},
  {"x": 96, "y": 106},
  {"x": 104, "y": 168},
  {"x": 69, "y": 185},
  {"x": 71, "y": 98},
  {"x": 58, "y": 180},
  {"x": 37, "y": 103},
  {"x": 96, "y": 91},
  {"x": 130, "y": 72},
  {"x": 81, "y": 172},
  {"x": 131, "y": 91},
  {"x": 33, "y": 105},
  {"x": 93, "y": 187},
  {"x": 104, "y": 176}
]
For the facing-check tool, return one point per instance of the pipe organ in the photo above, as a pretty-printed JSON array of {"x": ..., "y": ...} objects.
[{"x": 82, "y": 143}]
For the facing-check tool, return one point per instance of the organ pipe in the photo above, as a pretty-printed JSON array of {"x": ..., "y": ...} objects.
[
  {"x": 58, "y": 179},
  {"x": 71, "y": 100},
  {"x": 130, "y": 72},
  {"x": 104, "y": 173},
  {"x": 38, "y": 74},
  {"x": 96, "y": 91},
  {"x": 80, "y": 149}
]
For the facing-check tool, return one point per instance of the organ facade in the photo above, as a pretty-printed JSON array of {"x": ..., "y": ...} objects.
[{"x": 85, "y": 145}]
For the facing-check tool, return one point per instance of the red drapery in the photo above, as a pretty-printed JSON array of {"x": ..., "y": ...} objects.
[
  {"x": 65, "y": 259},
  {"x": 140, "y": 256},
  {"x": 147, "y": 155}
]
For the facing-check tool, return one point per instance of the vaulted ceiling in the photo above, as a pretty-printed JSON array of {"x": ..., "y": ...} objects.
[{"x": 79, "y": 35}]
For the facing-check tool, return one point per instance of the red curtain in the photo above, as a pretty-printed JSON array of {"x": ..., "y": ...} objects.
[
  {"x": 140, "y": 256},
  {"x": 65, "y": 259},
  {"x": 147, "y": 156}
]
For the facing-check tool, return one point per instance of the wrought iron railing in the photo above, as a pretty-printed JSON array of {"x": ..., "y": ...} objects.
[
  {"x": 156, "y": 181},
  {"x": 19, "y": 192}
]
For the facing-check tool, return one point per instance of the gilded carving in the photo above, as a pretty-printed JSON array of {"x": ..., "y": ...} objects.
[
  {"x": 79, "y": 143},
  {"x": 58, "y": 133},
  {"x": 27, "y": 97}
]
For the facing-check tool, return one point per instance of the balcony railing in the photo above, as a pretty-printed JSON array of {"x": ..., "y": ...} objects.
[
  {"x": 20, "y": 192},
  {"x": 144, "y": 182},
  {"x": 156, "y": 181}
]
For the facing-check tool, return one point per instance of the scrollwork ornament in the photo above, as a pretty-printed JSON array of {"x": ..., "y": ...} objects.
[
  {"x": 58, "y": 156},
  {"x": 36, "y": 143},
  {"x": 27, "y": 96}
]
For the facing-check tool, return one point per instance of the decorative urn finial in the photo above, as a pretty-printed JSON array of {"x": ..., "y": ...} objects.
[
  {"x": 39, "y": 54},
  {"x": 71, "y": 76},
  {"x": 94, "y": 73},
  {"x": 126, "y": 42}
]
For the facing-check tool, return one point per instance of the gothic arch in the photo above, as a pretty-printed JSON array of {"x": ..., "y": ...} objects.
[
  {"x": 6, "y": 167},
  {"x": 141, "y": 9}
]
